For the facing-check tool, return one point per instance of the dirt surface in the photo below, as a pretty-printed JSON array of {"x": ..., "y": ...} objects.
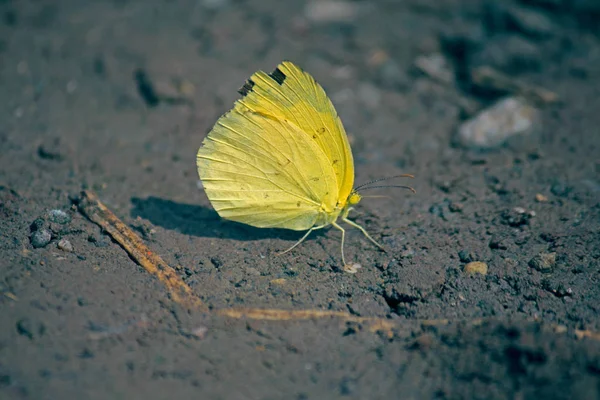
[{"x": 117, "y": 97}]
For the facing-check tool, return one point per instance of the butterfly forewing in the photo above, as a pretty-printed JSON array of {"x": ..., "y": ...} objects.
[
  {"x": 265, "y": 172},
  {"x": 290, "y": 94}
]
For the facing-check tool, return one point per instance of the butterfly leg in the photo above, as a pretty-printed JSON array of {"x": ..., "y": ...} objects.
[
  {"x": 343, "y": 237},
  {"x": 354, "y": 224},
  {"x": 301, "y": 240}
]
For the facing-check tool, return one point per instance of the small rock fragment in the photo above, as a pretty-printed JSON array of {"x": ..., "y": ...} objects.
[
  {"x": 455, "y": 207},
  {"x": 37, "y": 224},
  {"x": 146, "y": 88},
  {"x": 476, "y": 267},
  {"x": 25, "y": 328},
  {"x": 59, "y": 217},
  {"x": 352, "y": 268},
  {"x": 408, "y": 252},
  {"x": 65, "y": 245},
  {"x": 496, "y": 124},
  {"x": 543, "y": 262},
  {"x": 498, "y": 242},
  {"x": 252, "y": 271},
  {"x": 199, "y": 332},
  {"x": 556, "y": 288},
  {"x": 517, "y": 217},
  {"x": 52, "y": 150},
  {"x": 435, "y": 66},
  {"x": 540, "y": 198},
  {"x": 530, "y": 23},
  {"x": 40, "y": 238},
  {"x": 465, "y": 256},
  {"x": 439, "y": 209}
]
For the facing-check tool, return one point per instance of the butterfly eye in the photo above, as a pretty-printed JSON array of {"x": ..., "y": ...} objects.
[{"x": 354, "y": 198}]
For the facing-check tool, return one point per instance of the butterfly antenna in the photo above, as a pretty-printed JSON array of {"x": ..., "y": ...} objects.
[
  {"x": 383, "y": 179},
  {"x": 389, "y": 186},
  {"x": 377, "y": 197}
]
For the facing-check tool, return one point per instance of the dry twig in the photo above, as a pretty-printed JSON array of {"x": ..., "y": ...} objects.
[
  {"x": 92, "y": 207},
  {"x": 180, "y": 292},
  {"x": 375, "y": 324}
]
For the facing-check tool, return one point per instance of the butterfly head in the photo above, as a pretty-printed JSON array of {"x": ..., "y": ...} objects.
[{"x": 354, "y": 198}]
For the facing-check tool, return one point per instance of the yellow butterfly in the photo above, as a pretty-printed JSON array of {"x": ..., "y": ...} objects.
[{"x": 281, "y": 158}]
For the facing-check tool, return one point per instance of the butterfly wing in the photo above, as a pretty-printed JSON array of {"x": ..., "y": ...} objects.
[
  {"x": 290, "y": 94},
  {"x": 265, "y": 172}
]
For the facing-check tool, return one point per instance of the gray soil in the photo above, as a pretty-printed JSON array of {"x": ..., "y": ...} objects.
[{"x": 118, "y": 96}]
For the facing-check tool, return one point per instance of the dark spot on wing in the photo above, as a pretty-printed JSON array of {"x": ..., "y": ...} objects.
[
  {"x": 314, "y": 136},
  {"x": 266, "y": 196},
  {"x": 247, "y": 88},
  {"x": 335, "y": 162},
  {"x": 315, "y": 179},
  {"x": 321, "y": 130},
  {"x": 298, "y": 204},
  {"x": 278, "y": 76}
]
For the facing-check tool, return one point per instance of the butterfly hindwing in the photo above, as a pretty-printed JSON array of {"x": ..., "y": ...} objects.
[
  {"x": 265, "y": 172},
  {"x": 290, "y": 94}
]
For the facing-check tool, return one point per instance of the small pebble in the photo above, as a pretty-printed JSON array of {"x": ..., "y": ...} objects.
[
  {"x": 25, "y": 328},
  {"x": 543, "y": 262},
  {"x": 455, "y": 207},
  {"x": 352, "y": 268},
  {"x": 540, "y": 198},
  {"x": 408, "y": 252},
  {"x": 435, "y": 66},
  {"x": 37, "y": 224},
  {"x": 496, "y": 124},
  {"x": 530, "y": 23},
  {"x": 517, "y": 217},
  {"x": 498, "y": 242},
  {"x": 65, "y": 245},
  {"x": 252, "y": 271},
  {"x": 199, "y": 332},
  {"x": 476, "y": 267},
  {"x": 465, "y": 256},
  {"x": 40, "y": 238},
  {"x": 59, "y": 217}
]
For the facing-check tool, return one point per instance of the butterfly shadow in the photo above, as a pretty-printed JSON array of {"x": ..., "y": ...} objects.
[{"x": 201, "y": 221}]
